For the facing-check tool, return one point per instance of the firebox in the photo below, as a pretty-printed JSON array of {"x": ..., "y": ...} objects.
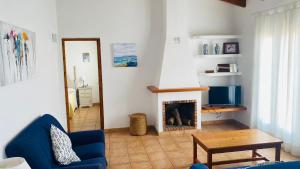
[{"x": 179, "y": 115}]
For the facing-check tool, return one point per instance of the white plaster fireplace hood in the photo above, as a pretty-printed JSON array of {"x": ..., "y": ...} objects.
[{"x": 178, "y": 78}]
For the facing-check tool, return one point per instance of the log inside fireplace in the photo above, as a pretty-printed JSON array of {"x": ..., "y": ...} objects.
[{"x": 180, "y": 115}]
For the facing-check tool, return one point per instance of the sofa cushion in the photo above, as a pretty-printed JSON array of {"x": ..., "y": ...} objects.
[
  {"x": 273, "y": 165},
  {"x": 99, "y": 160},
  {"x": 34, "y": 144},
  {"x": 88, "y": 151},
  {"x": 62, "y": 147},
  {"x": 198, "y": 166},
  {"x": 281, "y": 165}
]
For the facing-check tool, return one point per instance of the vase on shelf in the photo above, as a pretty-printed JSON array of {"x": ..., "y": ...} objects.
[
  {"x": 205, "y": 49},
  {"x": 217, "y": 49}
]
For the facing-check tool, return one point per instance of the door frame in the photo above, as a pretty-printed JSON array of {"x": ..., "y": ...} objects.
[{"x": 97, "y": 40}]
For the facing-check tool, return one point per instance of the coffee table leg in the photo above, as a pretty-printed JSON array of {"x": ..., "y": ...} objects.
[
  {"x": 195, "y": 151},
  {"x": 209, "y": 160},
  {"x": 277, "y": 152},
  {"x": 254, "y": 153}
]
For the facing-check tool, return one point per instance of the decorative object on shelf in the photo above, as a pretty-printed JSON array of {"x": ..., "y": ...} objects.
[
  {"x": 205, "y": 49},
  {"x": 217, "y": 49},
  {"x": 231, "y": 48},
  {"x": 86, "y": 57},
  {"x": 223, "y": 68},
  {"x": 209, "y": 71},
  {"x": 14, "y": 163},
  {"x": 17, "y": 54},
  {"x": 233, "y": 68},
  {"x": 125, "y": 55}
]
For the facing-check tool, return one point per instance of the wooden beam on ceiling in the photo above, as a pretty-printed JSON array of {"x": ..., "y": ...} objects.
[{"x": 241, "y": 3}]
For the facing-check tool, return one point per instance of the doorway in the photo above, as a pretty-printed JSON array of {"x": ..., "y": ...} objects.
[{"x": 83, "y": 83}]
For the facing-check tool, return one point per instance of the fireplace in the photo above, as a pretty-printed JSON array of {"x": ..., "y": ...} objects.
[{"x": 179, "y": 115}]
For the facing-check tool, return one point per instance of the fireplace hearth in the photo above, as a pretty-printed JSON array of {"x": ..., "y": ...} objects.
[{"x": 179, "y": 115}]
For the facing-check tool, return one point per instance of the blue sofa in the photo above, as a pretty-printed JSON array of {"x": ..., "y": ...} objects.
[
  {"x": 281, "y": 165},
  {"x": 34, "y": 144}
]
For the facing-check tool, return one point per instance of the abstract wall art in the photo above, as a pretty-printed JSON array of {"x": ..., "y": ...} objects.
[
  {"x": 125, "y": 55},
  {"x": 17, "y": 54}
]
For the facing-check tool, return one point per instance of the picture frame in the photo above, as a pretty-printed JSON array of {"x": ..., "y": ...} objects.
[
  {"x": 124, "y": 55},
  {"x": 18, "y": 60},
  {"x": 85, "y": 57},
  {"x": 231, "y": 48}
]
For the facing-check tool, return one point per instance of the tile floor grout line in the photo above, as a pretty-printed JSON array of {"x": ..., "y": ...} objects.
[
  {"x": 128, "y": 155},
  {"x": 146, "y": 153},
  {"x": 166, "y": 154}
]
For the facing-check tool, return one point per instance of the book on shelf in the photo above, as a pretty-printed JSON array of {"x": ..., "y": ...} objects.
[{"x": 227, "y": 68}]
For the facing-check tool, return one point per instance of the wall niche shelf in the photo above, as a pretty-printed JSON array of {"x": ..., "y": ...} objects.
[
  {"x": 219, "y": 56},
  {"x": 212, "y": 37},
  {"x": 223, "y": 109},
  {"x": 219, "y": 74}
]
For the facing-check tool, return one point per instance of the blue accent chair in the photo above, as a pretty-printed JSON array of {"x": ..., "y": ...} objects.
[
  {"x": 281, "y": 165},
  {"x": 34, "y": 144}
]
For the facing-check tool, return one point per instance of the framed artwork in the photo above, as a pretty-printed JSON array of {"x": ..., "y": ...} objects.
[
  {"x": 124, "y": 55},
  {"x": 17, "y": 54},
  {"x": 231, "y": 48},
  {"x": 86, "y": 57}
]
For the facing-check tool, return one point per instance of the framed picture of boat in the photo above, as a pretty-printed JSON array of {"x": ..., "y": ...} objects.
[{"x": 124, "y": 55}]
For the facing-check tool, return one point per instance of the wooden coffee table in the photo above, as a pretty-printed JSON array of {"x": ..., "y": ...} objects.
[{"x": 233, "y": 141}]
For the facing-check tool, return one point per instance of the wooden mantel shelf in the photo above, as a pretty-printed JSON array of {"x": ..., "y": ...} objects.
[{"x": 154, "y": 89}]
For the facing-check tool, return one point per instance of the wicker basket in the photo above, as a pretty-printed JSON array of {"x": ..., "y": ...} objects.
[{"x": 138, "y": 124}]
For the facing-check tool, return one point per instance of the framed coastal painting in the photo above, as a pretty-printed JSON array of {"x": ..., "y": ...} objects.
[
  {"x": 17, "y": 54},
  {"x": 124, "y": 55}
]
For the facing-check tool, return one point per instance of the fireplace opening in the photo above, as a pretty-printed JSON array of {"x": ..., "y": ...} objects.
[{"x": 180, "y": 115}]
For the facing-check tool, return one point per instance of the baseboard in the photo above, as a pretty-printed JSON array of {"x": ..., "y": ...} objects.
[
  {"x": 242, "y": 125},
  {"x": 226, "y": 121},
  {"x": 213, "y": 122},
  {"x": 153, "y": 129},
  {"x": 112, "y": 130},
  {"x": 126, "y": 129}
]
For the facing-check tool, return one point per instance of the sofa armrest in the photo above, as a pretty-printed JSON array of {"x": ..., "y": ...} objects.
[
  {"x": 87, "y": 137},
  {"x": 88, "y": 166},
  {"x": 198, "y": 166}
]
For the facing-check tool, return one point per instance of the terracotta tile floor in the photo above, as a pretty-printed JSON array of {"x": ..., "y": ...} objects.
[
  {"x": 170, "y": 151},
  {"x": 86, "y": 119}
]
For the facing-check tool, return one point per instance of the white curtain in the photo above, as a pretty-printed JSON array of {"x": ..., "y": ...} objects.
[{"x": 276, "y": 97}]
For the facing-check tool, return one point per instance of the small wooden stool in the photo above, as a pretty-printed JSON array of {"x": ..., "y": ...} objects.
[{"x": 138, "y": 124}]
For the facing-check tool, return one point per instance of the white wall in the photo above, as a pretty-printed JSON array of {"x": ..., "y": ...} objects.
[
  {"x": 186, "y": 18},
  {"x": 115, "y": 21},
  {"x": 245, "y": 23},
  {"x": 211, "y": 17},
  {"x": 86, "y": 70},
  {"x": 177, "y": 66},
  {"x": 23, "y": 102},
  {"x": 143, "y": 22}
]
